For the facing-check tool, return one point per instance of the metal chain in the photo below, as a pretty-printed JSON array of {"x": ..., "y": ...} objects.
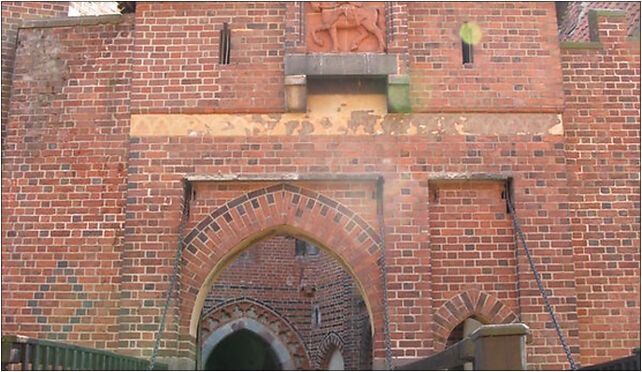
[
  {"x": 518, "y": 289},
  {"x": 172, "y": 282},
  {"x": 517, "y": 286},
  {"x": 384, "y": 274},
  {"x": 538, "y": 279}
]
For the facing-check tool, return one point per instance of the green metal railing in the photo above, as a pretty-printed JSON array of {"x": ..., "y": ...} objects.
[
  {"x": 630, "y": 363},
  {"x": 30, "y": 354}
]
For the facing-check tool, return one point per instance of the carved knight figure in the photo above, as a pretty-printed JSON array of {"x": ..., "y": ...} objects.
[{"x": 347, "y": 15}]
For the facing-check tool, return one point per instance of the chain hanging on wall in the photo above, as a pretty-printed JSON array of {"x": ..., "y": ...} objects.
[
  {"x": 384, "y": 274},
  {"x": 172, "y": 283},
  {"x": 538, "y": 279}
]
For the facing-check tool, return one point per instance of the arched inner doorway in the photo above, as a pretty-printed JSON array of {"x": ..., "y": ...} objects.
[
  {"x": 336, "y": 362},
  {"x": 299, "y": 295},
  {"x": 245, "y": 351}
]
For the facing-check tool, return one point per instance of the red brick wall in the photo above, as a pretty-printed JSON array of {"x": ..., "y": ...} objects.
[
  {"x": 91, "y": 216},
  {"x": 516, "y": 63},
  {"x": 472, "y": 242},
  {"x": 64, "y": 181},
  {"x": 176, "y": 65},
  {"x": 439, "y": 81},
  {"x": 151, "y": 169},
  {"x": 537, "y": 163},
  {"x": 267, "y": 272},
  {"x": 13, "y": 13},
  {"x": 341, "y": 314},
  {"x": 602, "y": 139}
]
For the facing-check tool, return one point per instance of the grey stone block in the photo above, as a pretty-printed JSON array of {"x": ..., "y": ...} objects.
[
  {"x": 398, "y": 94},
  {"x": 366, "y": 64},
  {"x": 295, "y": 93}
]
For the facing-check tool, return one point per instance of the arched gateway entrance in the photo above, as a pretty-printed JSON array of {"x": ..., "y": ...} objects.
[
  {"x": 267, "y": 340},
  {"x": 279, "y": 209}
]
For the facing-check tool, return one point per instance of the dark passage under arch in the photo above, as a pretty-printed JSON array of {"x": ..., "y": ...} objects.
[{"x": 243, "y": 350}]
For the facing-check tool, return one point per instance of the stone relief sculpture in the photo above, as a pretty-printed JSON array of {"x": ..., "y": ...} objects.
[{"x": 347, "y": 16}]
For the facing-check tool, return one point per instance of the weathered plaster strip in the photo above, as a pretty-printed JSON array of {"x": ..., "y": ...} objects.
[
  {"x": 76, "y": 21},
  {"x": 282, "y": 177},
  {"x": 353, "y": 122},
  {"x": 581, "y": 45},
  {"x": 467, "y": 176}
]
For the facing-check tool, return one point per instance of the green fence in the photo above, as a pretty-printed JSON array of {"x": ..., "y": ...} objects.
[
  {"x": 630, "y": 363},
  {"x": 23, "y": 353}
]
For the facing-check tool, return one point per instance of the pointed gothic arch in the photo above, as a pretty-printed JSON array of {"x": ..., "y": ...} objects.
[{"x": 282, "y": 208}]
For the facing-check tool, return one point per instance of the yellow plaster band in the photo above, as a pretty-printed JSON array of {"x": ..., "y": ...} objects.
[
  {"x": 344, "y": 115},
  {"x": 360, "y": 123}
]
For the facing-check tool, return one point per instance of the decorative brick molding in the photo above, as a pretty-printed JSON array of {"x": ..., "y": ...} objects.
[
  {"x": 283, "y": 207},
  {"x": 464, "y": 305},
  {"x": 330, "y": 343},
  {"x": 252, "y": 315}
]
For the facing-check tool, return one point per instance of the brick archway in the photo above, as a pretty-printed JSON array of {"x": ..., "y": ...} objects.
[
  {"x": 252, "y": 315},
  {"x": 227, "y": 231},
  {"x": 330, "y": 343},
  {"x": 472, "y": 302}
]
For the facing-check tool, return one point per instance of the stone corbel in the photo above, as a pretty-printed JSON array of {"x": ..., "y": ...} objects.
[
  {"x": 295, "y": 93},
  {"x": 398, "y": 93}
]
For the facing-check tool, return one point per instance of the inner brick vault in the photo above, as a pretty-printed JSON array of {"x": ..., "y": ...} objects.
[{"x": 316, "y": 146}]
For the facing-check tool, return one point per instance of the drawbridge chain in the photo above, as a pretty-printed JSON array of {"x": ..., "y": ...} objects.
[
  {"x": 172, "y": 283},
  {"x": 538, "y": 279},
  {"x": 384, "y": 274}
]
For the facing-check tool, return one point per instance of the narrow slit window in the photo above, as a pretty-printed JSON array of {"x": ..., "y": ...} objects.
[
  {"x": 224, "y": 45},
  {"x": 466, "y": 34},
  {"x": 300, "y": 248},
  {"x": 316, "y": 316},
  {"x": 466, "y": 52}
]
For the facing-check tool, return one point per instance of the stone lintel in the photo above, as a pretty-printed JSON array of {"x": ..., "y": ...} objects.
[
  {"x": 608, "y": 12},
  {"x": 76, "y": 21},
  {"x": 267, "y": 177},
  {"x": 581, "y": 45},
  {"x": 492, "y": 330},
  {"x": 467, "y": 176},
  {"x": 362, "y": 64}
]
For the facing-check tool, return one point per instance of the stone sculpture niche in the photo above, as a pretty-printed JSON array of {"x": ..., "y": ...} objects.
[{"x": 345, "y": 27}]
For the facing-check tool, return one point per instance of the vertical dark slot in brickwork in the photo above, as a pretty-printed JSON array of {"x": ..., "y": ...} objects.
[
  {"x": 466, "y": 34},
  {"x": 466, "y": 52},
  {"x": 299, "y": 249},
  {"x": 224, "y": 45}
]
